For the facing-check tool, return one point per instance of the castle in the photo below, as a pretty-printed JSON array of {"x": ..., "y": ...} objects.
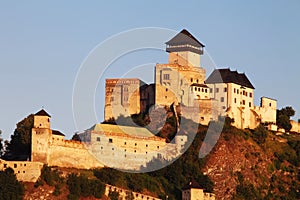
[{"x": 182, "y": 81}]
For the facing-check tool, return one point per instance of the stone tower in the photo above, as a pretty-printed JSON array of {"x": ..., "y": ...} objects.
[
  {"x": 40, "y": 137},
  {"x": 174, "y": 80},
  {"x": 184, "y": 49}
]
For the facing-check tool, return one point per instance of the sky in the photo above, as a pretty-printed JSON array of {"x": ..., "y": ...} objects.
[{"x": 43, "y": 45}]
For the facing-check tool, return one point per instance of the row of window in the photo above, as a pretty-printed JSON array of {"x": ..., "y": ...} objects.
[
  {"x": 243, "y": 102},
  {"x": 110, "y": 140},
  {"x": 199, "y": 89},
  {"x": 234, "y": 91}
]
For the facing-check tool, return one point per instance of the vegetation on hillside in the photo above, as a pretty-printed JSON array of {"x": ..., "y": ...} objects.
[
  {"x": 10, "y": 187},
  {"x": 19, "y": 147},
  {"x": 283, "y": 117}
]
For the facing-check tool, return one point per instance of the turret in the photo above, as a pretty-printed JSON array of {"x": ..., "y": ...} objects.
[{"x": 184, "y": 49}]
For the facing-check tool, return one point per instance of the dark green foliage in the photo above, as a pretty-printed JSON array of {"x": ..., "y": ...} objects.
[
  {"x": 10, "y": 187},
  {"x": 51, "y": 177},
  {"x": 19, "y": 147},
  {"x": 1, "y": 145},
  {"x": 283, "y": 117},
  {"x": 80, "y": 185},
  {"x": 246, "y": 190},
  {"x": 260, "y": 134},
  {"x": 113, "y": 195}
]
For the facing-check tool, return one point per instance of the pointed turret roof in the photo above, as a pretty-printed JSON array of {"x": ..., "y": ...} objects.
[
  {"x": 185, "y": 37},
  {"x": 42, "y": 113}
]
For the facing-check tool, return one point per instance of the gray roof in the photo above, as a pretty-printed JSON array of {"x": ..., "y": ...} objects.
[
  {"x": 185, "y": 37},
  {"x": 228, "y": 76}
]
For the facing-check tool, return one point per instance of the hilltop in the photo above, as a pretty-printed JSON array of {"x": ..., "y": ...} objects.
[{"x": 243, "y": 164}]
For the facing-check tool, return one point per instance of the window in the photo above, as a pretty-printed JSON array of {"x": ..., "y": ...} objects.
[
  {"x": 15, "y": 165},
  {"x": 166, "y": 89},
  {"x": 197, "y": 81},
  {"x": 195, "y": 88},
  {"x": 217, "y": 90},
  {"x": 134, "y": 151},
  {"x": 210, "y": 90},
  {"x": 237, "y": 91},
  {"x": 249, "y": 104},
  {"x": 5, "y": 165},
  {"x": 166, "y": 76},
  {"x": 198, "y": 89},
  {"x": 270, "y": 104},
  {"x": 222, "y": 99},
  {"x": 250, "y": 94},
  {"x": 234, "y": 90},
  {"x": 125, "y": 143},
  {"x": 98, "y": 139},
  {"x": 223, "y": 107},
  {"x": 191, "y": 79},
  {"x": 205, "y": 90},
  {"x": 110, "y": 140},
  {"x": 234, "y": 100},
  {"x": 225, "y": 89},
  {"x": 112, "y": 148},
  {"x": 157, "y": 147},
  {"x": 244, "y": 102},
  {"x": 146, "y": 145}
]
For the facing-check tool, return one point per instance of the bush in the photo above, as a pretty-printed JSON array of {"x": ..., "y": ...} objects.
[
  {"x": 260, "y": 134},
  {"x": 113, "y": 195},
  {"x": 80, "y": 185},
  {"x": 10, "y": 187}
]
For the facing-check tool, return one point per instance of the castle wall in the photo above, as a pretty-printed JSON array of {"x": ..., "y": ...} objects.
[
  {"x": 295, "y": 126},
  {"x": 122, "y": 97},
  {"x": 25, "y": 170},
  {"x": 123, "y": 193},
  {"x": 73, "y": 154}
]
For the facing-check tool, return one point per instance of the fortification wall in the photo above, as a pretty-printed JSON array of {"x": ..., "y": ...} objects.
[
  {"x": 25, "y": 170},
  {"x": 123, "y": 193},
  {"x": 71, "y": 154},
  {"x": 295, "y": 126}
]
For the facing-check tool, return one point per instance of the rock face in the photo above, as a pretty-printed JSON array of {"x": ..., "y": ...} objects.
[{"x": 234, "y": 155}]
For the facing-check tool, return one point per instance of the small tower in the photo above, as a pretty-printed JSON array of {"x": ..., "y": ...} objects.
[
  {"x": 41, "y": 119},
  {"x": 184, "y": 49},
  {"x": 40, "y": 137}
]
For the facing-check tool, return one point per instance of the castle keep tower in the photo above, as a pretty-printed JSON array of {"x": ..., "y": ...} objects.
[
  {"x": 184, "y": 49},
  {"x": 174, "y": 80},
  {"x": 40, "y": 137}
]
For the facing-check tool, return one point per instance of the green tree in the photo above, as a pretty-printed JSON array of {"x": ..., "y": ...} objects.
[
  {"x": 1, "y": 145},
  {"x": 10, "y": 187},
  {"x": 76, "y": 137},
  {"x": 283, "y": 117},
  {"x": 19, "y": 147},
  {"x": 260, "y": 134},
  {"x": 113, "y": 195}
]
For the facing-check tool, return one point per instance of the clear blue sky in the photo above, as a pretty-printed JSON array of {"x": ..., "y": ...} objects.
[{"x": 42, "y": 45}]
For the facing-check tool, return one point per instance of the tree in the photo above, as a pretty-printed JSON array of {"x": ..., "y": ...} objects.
[
  {"x": 19, "y": 147},
  {"x": 283, "y": 117},
  {"x": 260, "y": 134},
  {"x": 113, "y": 195},
  {"x": 76, "y": 137},
  {"x": 1, "y": 145},
  {"x": 10, "y": 187}
]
